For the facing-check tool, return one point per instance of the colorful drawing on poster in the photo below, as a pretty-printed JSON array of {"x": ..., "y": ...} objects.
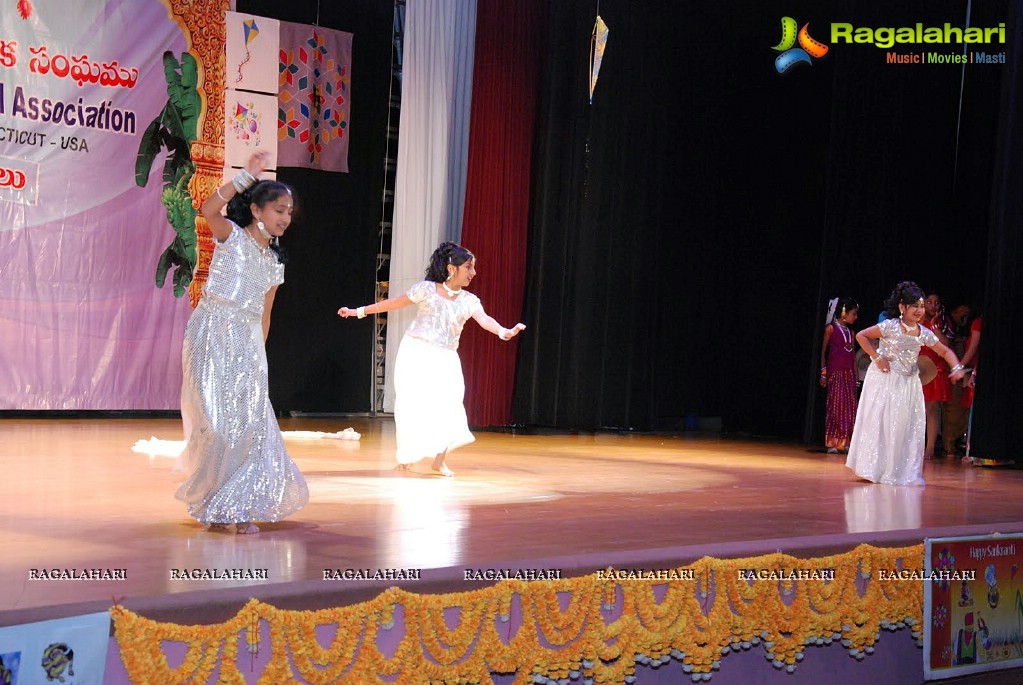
[
  {"x": 973, "y": 605},
  {"x": 58, "y": 661},
  {"x": 246, "y": 124},
  {"x": 249, "y": 124},
  {"x": 251, "y": 31},
  {"x": 10, "y": 664}
]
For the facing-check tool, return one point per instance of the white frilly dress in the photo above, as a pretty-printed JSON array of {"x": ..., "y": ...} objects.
[
  {"x": 429, "y": 389},
  {"x": 238, "y": 470},
  {"x": 890, "y": 432}
]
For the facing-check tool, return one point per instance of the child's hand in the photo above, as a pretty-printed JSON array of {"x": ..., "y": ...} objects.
[
  {"x": 509, "y": 333},
  {"x": 257, "y": 162}
]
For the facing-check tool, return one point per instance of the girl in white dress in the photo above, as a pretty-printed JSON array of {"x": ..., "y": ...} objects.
[
  {"x": 888, "y": 438},
  {"x": 429, "y": 417},
  {"x": 238, "y": 469}
]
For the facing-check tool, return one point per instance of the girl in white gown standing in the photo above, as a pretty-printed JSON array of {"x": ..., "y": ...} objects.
[
  {"x": 429, "y": 416},
  {"x": 238, "y": 469},
  {"x": 888, "y": 438}
]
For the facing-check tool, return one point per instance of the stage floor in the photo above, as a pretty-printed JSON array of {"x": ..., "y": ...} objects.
[{"x": 77, "y": 497}]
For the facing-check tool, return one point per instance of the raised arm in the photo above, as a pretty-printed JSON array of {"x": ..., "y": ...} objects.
[
  {"x": 488, "y": 323},
  {"x": 387, "y": 305},
  {"x": 212, "y": 209}
]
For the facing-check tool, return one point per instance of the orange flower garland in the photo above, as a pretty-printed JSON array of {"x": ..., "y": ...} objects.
[{"x": 586, "y": 626}]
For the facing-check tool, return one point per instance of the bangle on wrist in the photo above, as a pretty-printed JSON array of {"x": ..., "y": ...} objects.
[
  {"x": 361, "y": 312},
  {"x": 226, "y": 200},
  {"x": 243, "y": 180},
  {"x": 957, "y": 367}
]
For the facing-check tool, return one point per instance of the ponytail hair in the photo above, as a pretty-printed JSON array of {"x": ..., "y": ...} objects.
[{"x": 448, "y": 253}]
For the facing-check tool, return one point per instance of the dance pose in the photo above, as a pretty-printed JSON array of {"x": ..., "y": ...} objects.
[
  {"x": 429, "y": 417},
  {"x": 888, "y": 438},
  {"x": 838, "y": 375},
  {"x": 239, "y": 471}
]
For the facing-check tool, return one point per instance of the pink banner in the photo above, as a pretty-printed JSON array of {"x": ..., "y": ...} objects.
[
  {"x": 92, "y": 208},
  {"x": 314, "y": 98}
]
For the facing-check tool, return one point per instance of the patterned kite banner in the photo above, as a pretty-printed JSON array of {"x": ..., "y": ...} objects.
[{"x": 314, "y": 99}]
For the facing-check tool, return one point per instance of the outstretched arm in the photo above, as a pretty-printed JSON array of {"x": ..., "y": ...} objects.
[
  {"x": 488, "y": 323},
  {"x": 376, "y": 308},
  {"x": 956, "y": 370}
]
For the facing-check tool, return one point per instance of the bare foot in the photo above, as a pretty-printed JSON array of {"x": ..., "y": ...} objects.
[
  {"x": 246, "y": 528},
  {"x": 216, "y": 527},
  {"x": 444, "y": 471}
]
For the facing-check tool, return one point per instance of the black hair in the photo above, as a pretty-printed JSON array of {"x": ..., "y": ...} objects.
[
  {"x": 448, "y": 253},
  {"x": 846, "y": 305},
  {"x": 906, "y": 292},
  {"x": 239, "y": 209}
]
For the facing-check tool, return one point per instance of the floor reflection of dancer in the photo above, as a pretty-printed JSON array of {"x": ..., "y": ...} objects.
[
  {"x": 838, "y": 375},
  {"x": 429, "y": 417},
  {"x": 239, "y": 471},
  {"x": 889, "y": 435}
]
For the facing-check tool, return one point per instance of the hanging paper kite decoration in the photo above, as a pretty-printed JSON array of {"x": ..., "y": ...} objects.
[
  {"x": 598, "y": 42},
  {"x": 251, "y": 31}
]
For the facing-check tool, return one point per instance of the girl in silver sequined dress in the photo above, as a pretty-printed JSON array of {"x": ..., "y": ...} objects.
[
  {"x": 239, "y": 471},
  {"x": 429, "y": 417},
  {"x": 888, "y": 438}
]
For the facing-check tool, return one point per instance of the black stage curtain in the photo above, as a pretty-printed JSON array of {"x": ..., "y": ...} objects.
[
  {"x": 688, "y": 226},
  {"x": 317, "y": 362},
  {"x": 998, "y": 408}
]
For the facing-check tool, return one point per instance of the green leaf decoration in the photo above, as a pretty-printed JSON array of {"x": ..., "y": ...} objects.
[{"x": 174, "y": 130}]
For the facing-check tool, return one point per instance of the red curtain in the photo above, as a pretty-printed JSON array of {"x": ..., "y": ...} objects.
[{"x": 505, "y": 75}]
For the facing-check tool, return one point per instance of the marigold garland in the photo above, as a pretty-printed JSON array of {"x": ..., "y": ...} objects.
[{"x": 587, "y": 626}]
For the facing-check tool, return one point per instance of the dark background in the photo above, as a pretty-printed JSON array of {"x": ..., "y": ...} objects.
[
  {"x": 317, "y": 363},
  {"x": 688, "y": 227}
]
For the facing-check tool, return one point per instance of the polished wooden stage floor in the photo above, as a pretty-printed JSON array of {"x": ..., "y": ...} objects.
[{"x": 75, "y": 496}]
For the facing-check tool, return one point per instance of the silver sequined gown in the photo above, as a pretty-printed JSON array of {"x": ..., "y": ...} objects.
[
  {"x": 238, "y": 468},
  {"x": 429, "y": 388},
  {"x": 888, "y": 438}
]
